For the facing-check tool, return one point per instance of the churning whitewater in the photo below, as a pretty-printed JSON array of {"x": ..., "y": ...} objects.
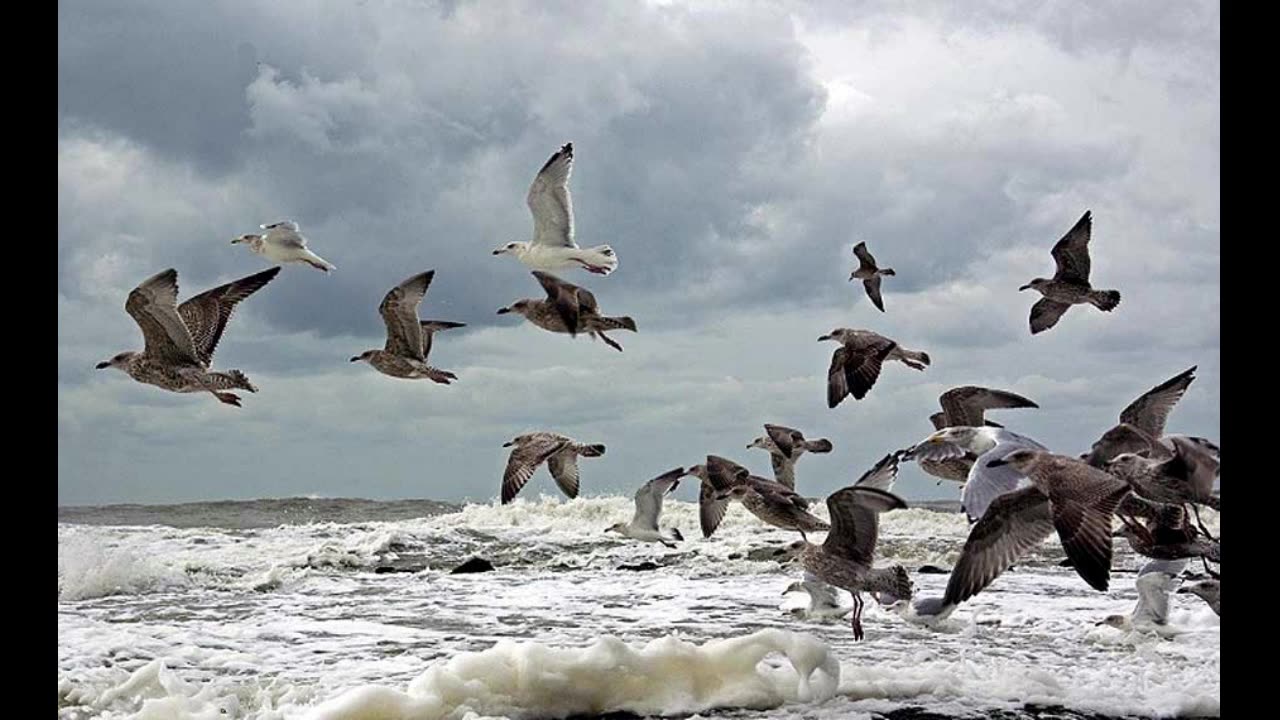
[{"x": 344, "y": 609}]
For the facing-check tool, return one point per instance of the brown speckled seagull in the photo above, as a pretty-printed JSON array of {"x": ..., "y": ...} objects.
[
  {"x": 559, "y": 452},
  {"x": 869, "y": 274},
  {"x": 855, "y": 365},
  {"x": 408, "y": 338},
  {"x": 1065, "y": 494},
  {"x": 180, "y": 339},
  {"x": 844, "y": 558},
  {"x": 1070, "y": 283},
  {"x": 568, "y": 309},
  {"x": 1142, "y": 423},
  {"x": 774, "y": 503},
  {"x": 785, "y": 446}
]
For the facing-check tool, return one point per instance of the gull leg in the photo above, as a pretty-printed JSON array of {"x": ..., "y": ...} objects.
[
  {"x": 857, "y": 616},
  {"x": 1195, "y": 510},
  {"x": 1212, "y": 574}
]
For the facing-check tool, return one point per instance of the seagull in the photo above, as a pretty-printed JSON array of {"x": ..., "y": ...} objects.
[
  {"x": 644, "y": 525},
  {"x": 774, "y": 503},
  {"x": 844, "y": 559},
  {"x": 855, "y": 365},
  {"x": 558, "y": 451},
  {"x": 1167, "y": 536},
  {"x": 966, "y": 406},
  {"x": 180, "y": 339},
  {"x": 869, "y": 274},
  {"x": 1070, "y": 284},
  {"x": 927, "y": 611},
  {"x": 1209, "y": 591},
  {"x": 408, "y": 338},
  {"x": 1155, "y": 581},
  {"x": 282, "y": 243},
  {"x": 823, "y": 601},
  {"x": 1142, "y": 423},
  {"x": 553, "y": 247},
  {"x": 785, "y": 446},
  {"x": 1186, "y": 478},
  {"x": 1065, "y": 495},
  {"x": 986, "y": 480},
  {"x": 568, "y": 309}
]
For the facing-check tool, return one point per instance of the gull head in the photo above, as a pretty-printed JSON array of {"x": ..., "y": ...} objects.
[
  {"x": 245, "y": 238},
  {"x": 1126, "y": 465},
  {"x": 512, "y": 248},
  {"x": 796, "y": 586},
  {"x": 1115, "y": 621},
  {"x": 758, "y": 443},
  {"x": 1203, "y": 588},
  {"x": 1020, "y": 460},
  {"x": 616, "y": 527},
  {"x": 517, "y": 440},
  {"x": 119, "y": 361},
  {"x": 364, "y": 355},
  {"x": 839, "y": 335},
  {"x": 1034, "y": 284},
  {"x": 698, "y": 471}
]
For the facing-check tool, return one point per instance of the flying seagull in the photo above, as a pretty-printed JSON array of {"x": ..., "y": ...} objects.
[
  {"x": 559, "y": 452},
  {"x": 1065, "y": 495},
  {"x": 855, "y": 365},
  {"x": 408, "y": 338},
  {"x": 1070, "y": 283},
  {"x": 987, "y": 480},
  {"x": 774, "y": 503},
  {"x": 282, "y": 243},
  {"x": 553, "y": 247},
  {"x": 966, "y": 406},
  {"x": 568, "y": 309},
  {"x": 869, "y": 274},
  {"x": 1155, "y": 581},
  {"x": 179, "y": 340},
  {"x": 644, "y": 524},
  {"x": 785, "y": 446}
]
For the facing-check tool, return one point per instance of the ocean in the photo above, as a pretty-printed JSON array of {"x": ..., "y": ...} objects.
[{"x": 321, "y": 609}]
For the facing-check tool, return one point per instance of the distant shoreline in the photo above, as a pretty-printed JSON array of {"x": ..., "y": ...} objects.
[{"x": 272, "y": 512}]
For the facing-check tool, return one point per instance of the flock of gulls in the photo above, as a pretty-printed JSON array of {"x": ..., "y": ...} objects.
[{"x": 1014, "y": 490}]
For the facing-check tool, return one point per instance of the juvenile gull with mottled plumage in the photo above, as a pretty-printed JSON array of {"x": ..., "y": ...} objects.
[
  {"x": 559, "y": 452},
  {"x": 774, "y": 503},
  {"x": 568, "y": 309},
  {"x": 869, "y": 273},
  {"x": 785, "y": 446},
  {"x": 180, "y": 339},
  {"x": 855, "y": 365},
  {"x": 1070, "y": 283},
  {"x": 408, "y": 339}
]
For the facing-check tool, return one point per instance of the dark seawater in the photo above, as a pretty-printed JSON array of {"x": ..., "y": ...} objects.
[{"x": 249, "y": 514}]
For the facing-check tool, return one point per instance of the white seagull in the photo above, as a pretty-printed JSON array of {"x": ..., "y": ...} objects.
[
  {"x": 553, "y": 247},
  {"x": 282, "y": 243},
  {"x": 644, "y": 525},
  {"x": 989, "y": 443},
  {"x": 1155, "y": 581}
]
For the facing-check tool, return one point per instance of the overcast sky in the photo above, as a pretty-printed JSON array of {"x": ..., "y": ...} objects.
[{"x": 731, "y": 153}]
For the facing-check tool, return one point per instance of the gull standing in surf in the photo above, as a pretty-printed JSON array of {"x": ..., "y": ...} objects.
[
  {"x": 1209, "y": 591},
  {"x": 282, "y": 243},
  {"x": 855, "y": 365},
  {"x": 553, "y": 246},
  {"x": 644, "y": 524},
  {"x": 179, "y": 340},
  {"x": 1070, "y": 283},
  {"x": 1156, "y": 580},
  {"x": 1065, "y": 495},
  {"x": 823, "y": 601},
  {"x": 966, "y": 406},
  {"x": 408, "y": 339},
  {"x": 559, "y": 452},
  {"x": 986, "y": 480},
  {"x": 774, "y": 503},
  {"x": 785, "y": 446},
  {"x": 869, "y": 274},
  {"x": 568, "y": 309},
  {"x": 844, "y": 559}
]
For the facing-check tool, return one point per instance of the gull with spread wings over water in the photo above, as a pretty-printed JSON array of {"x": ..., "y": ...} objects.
[
  {"x": 568, "y": 309},
  {"x": 785, "y": 446},
  {"x": 559, "y": 452},
  {"x": 869, "y": 273},
  {"x": 282, "y": 243},
  {"x": 644, "y": 524},
  {"x": 965, "y": 406},
  {"x": 855, "y": 365},
  {"x": 408, "y": 339},
  {"x": 180, "y": 339}
]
